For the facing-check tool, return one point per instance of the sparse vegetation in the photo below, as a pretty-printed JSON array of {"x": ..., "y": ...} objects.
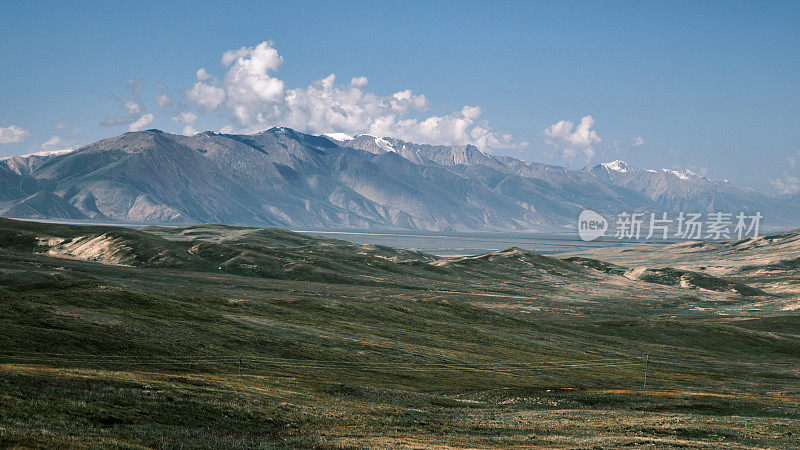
[{"x": 240, "y": 337}]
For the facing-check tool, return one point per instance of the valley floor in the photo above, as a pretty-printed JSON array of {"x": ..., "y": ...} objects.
[{"x": 223, "y": 337}]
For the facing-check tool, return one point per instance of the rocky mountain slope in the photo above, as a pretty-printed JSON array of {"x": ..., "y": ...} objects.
[
  {"x": 684, "y": 190},
  {"x": 280, "y": 177}
]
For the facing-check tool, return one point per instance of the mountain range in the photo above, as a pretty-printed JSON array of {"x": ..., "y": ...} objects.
[{"x": 284, "y": 178}]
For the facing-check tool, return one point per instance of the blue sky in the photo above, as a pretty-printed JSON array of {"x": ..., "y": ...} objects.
[{"x": 709, "y": 86}]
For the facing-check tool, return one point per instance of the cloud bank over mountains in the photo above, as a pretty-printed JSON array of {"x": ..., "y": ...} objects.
[
  {"x": 249, "y": 96},
  {"x": 253, "y": 98}
]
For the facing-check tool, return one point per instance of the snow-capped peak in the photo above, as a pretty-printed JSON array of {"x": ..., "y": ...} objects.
[
  {"x": 683, "y": 174},
  {"x": 43, "y": 153},
  {"x": 341, "y": 137},
  {"x": 384, "y": 144},
  {"x": 616, "y": 166}
]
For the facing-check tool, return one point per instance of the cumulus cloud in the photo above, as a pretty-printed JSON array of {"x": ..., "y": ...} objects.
[
  {"x": 163, "y": 101},
  {"x": 404, "y": 100},
  {"x": 248, "y": 80},
  {"x": 54, "y": 141},
  {"x": 788, "y": 185},
  {"x": 573, "y": 140},
  {"x": 206, "y": 95},
  {"x": 358, "y": 81},
  {"x": 254, "y": 98},
  {"x": 140, "y": 123},
  {"x": 135, "y": 84},
  {"x": 792, "y": 159},
  {"x": 132, "y": 111},
  {"x": 638, "y": 141},
  {"x": 186, "y": 117},
  {"x": 202, "y": 74},
  {"x": 13, "y": 134},
  {"x": 131, "y": 107}
]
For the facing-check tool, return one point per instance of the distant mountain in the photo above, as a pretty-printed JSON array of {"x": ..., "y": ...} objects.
[
  {"x": 683, "y": 190},
  {"x": 284, "y": 178}
]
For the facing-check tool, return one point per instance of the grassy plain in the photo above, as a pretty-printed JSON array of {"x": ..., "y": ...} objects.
[{"x": 215, "y": 336}]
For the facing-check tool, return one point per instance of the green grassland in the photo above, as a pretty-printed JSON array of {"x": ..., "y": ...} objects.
[{"x": 213, "y": 336}]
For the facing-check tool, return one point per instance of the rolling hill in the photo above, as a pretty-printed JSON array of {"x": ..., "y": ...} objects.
[{"x": 213, "y": 335}]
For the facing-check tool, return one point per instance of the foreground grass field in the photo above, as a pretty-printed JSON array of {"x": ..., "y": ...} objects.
[
  {"x": 219, "y": 337},
  {"x": 73, "y": 407}
]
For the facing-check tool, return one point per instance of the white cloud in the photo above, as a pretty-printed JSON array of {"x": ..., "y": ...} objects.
[
  {"x": 792, "y": 159},
  {"x": 202, "y": 74},
  {"x": 54, "y": 141},
  {"x": 188, "y": 130},
  {"x": 55, "y": 145},
  {"x": 186, "y": 117},
  {"x": 163, "y": 101},
  {"x": 358, "y": 81},
  {"x": 13, "y": 134},
  {"x": 206, "y": 95},
  {"x": 132, "y": 111},
  {"x": 140, "y": 123},
  {"x": 404, "y": 100},
  {"x": 60, "y": 125},
  {"x": 255, "y": 99},
  {"x": 248, "y": 81},
  {"x": 638, "y": 141},
  {"x": 572, "y": 140},
  {"x": 788, "y": 185},
  {"x": 135, "y": 84},
  {"x": 323, "y": 107},
  {"x": 131, "y": 107}
]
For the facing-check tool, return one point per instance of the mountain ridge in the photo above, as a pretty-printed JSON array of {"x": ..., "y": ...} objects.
[{"x": 281, "y": 177}]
